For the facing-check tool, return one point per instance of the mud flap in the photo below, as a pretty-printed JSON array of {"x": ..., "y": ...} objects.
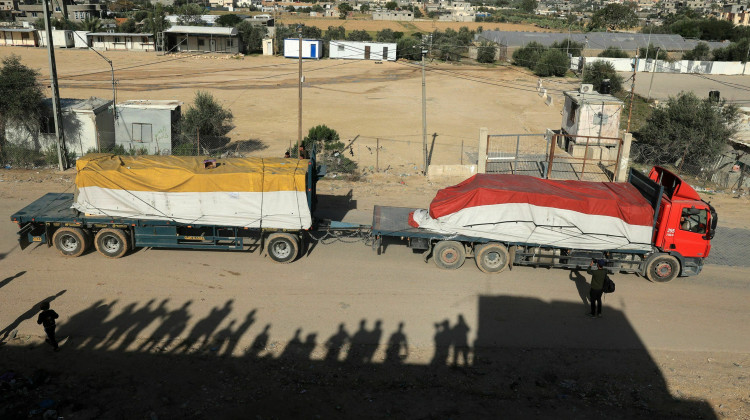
[
  {"x": 511, "y": 257},
  {"x": 426, "y": 254}
]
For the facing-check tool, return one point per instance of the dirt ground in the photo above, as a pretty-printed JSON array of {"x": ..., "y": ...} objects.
[
  {"x": 533, "y": 353},
  {"x": 380, "y": 102},
  {"x": 403, "y": 26}
]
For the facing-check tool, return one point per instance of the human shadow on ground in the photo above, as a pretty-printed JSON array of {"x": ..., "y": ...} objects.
[
  {"x": 7, "y": 280},
  {"x": 29, "y": 314},
  {"x": 582, "y": 286},
  {"x": 530, "y": 359}
]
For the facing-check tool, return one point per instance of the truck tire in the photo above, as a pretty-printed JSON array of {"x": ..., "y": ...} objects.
[
  {"x": 283, "y": 247},
  {"x": 663, "y": 269},
  {"x": 491, "y": 257},
  {"x": 71, "y": 242},
  {"x": 449, "y": 255},
  {"x": 112, "y": 243}
]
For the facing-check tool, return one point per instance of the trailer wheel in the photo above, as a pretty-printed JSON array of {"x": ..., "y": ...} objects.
[
  {"x": 449, "y": 255},
  {"x": 283, "y": 247},
  {"x": 71, "y": 242},
  {"x": 663, "y": 269},
  {"x": 491, "y": 257},
  {"x": 112, "y": 243}
]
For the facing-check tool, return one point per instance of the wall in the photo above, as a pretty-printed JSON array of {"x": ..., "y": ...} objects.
[
  {"x": 161, "y": 129},
  {"x": 17, "y": 39},
  {"x": 584, "y": 123},
  {"x": 291, "y": 48},
  {"x": 221, "y": 43},
  {"x": 61, "y": 38},
  {"x": 137, "y": 43},
  {"x": 356, "y": 50},
  {"x": 80, "y": 130},
  {"x": 680, "y": 66},
  {"x": 79, "y": 39}
]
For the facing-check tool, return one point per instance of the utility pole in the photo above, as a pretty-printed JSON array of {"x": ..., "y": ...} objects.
[
  {"x": 424, "y": 111},
  {"x": 632, "y": 89},
  {"x": 61, "y": 161},
  {"x": 653, "y": 71},
  {"x": 299, "y": 115}
]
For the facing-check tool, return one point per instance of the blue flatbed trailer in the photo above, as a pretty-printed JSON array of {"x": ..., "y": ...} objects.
[{"x": 52, "y": 220}]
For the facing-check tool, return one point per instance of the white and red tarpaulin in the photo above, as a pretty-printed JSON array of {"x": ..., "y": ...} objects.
[{"x": 527, "y": 210}]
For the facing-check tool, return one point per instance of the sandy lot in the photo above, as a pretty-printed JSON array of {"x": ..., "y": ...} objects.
[
  {"x": 402, "y": 26},
  {"x": 372, "y": 100}
]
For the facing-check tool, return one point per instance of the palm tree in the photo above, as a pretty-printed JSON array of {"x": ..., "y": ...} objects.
[{"x": 92, "y": 24}]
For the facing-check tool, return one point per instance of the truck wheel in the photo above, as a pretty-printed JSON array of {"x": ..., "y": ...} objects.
[
  {"x": 449, "y": 255},
  {"x": 71, "y": 242},
  {"x": 112, "y": 243},
  {"x": 663, "y": 269},
  {"x": 283, "y": 247},
  {"x": 491, "y": 257}
]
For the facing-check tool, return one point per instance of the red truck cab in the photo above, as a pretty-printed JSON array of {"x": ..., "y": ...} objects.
[{"x": 683, "y": 228}]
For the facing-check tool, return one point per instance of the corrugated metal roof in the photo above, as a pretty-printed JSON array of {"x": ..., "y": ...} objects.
[
  {"x": 202, "y": 30},
  {"x": 597, "y": 40},
  {"x": 124, "y": 34},
  {"x": 147, "y": 103},
  {"x": 17, "y": 29}
]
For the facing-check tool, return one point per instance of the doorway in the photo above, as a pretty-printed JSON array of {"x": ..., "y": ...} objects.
[{"x": 367, "y": 52}]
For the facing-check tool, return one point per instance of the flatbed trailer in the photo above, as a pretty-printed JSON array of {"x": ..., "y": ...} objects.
[{"x": 52, "y": 220}]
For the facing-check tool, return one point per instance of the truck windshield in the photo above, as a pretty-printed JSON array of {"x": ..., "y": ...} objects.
[{"x": 693, "y": 220}]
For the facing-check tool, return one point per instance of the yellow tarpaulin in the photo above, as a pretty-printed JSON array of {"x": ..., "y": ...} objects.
[{"x": 188, "y": 174}]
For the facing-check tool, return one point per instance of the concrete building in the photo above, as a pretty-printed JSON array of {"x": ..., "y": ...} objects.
[
  {"x": 75, "y": 12},
  {"x": 121, "y": 41},
  {"x": 87, "y": 124},
  {"x": 358, "y": 50},
  {"x": 22, "y": 37},
  {"x": 402, "y": 15},
  {"x": 203, "y": 39},
  {"x": 146, "y": 124},
  {"x": 737, "y": 14},
  {"x": 311, "y": 48},
  {"x": 593, "y": 121},
  {"x": 60, "y": 38}
]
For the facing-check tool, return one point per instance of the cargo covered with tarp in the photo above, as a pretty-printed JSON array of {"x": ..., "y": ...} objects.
[
  {"x": 242, "y": 192},
  {"x": 521, "y": 209}
]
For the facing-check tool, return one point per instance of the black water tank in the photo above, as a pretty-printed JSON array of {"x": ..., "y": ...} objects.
[
  {"x": 606, "y": 87},
  {"x": 714, "y": 95}
]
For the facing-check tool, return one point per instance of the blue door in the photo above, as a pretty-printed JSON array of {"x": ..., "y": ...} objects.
[{"x": 313, "y": 47}]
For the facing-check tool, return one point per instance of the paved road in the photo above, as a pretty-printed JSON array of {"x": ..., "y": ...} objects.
[{"x": 733, "y": 88}]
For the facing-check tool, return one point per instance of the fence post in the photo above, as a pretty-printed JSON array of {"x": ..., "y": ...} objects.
[
  {"x": 482, "y": 151},
  {"x": 377, "y": 155},
  {"x": 551, "y": 159},
  {"x": 462, "y": 152},
  {"x": 197, "y": 142},
  {"x": 624, "y": 158}
]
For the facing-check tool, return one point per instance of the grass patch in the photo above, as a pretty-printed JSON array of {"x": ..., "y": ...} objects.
[{"x": 641, "y": 111}]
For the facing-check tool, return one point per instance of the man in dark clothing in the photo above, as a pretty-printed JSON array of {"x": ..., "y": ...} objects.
[
  {"x": 303, "y": 153},
  {"x": 597, "y": 287},
  {"x": 47, "y": 319}
]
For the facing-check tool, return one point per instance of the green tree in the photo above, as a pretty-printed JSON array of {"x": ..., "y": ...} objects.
[
  {"x": 91, "y": 24},
  {"x": 417, "y": 13},
  {"x": 21, "y": 97},
  {"x": 486, "y": 52},
  {"x": 528, "y": 55},
  {"x": 552, "y": 62},
  {"x": 157, "y": 21},
  {"x": 569, "y": 46},
  {"x": 528, "y": 6},
  {"x": 345, "y": 8},
  {"x": 391, "y": 5},
  {"x": 190, "y": 14},
  {"x": 688, "y": 130},
  {"x": 409, "y": 48},
  {"x": 359, "y": 35},
  {"x": 615, "y": 16},
  {"x": 701, "y": 52},
  {"x": 228, "y": 20},
  {"x": 386, "y": 35},
  {"x": 127, "y": 27},
  {"x": 206, "y": 116},
  {"x": 251, "y": 36},
  {"x": 328, "y": 140},
  {"x": 735, "y": 51},
  {"x": 598, "y": 71},
  {"x": 335, "y": 33},
  {"x": 650, "y": 53},
  {"x": 318, "y": 8},
  {"x": 613, "y": 52},
  {"x": 364, "y": 8}
]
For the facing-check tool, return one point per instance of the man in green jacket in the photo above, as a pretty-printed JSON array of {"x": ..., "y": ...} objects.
[{"x": 597, "y": 287}]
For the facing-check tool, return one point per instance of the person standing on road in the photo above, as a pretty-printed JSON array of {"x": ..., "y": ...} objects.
[
  {"x": 598, "y": 275},
  {"x": 47, "y": 318}
]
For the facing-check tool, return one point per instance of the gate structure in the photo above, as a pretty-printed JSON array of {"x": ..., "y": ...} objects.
[{"x": 554, "y": 156}]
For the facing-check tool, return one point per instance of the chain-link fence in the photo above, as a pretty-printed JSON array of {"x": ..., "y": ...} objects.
[{"x": 360, "y": 155}]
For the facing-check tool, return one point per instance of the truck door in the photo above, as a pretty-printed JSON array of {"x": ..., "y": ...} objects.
[{"x": 688, "y": 226}]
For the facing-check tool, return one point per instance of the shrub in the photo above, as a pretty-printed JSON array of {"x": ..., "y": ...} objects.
[
  {"x": 597, "y": 71},
  {"x": 529, "y": 55},
  {"x": 613, "y": 52},
  {"x": 552, "y": 63}
]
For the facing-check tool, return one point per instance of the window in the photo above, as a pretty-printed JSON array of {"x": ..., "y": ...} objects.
[
  {"x": 229, "y": 42},
  {"x": 24, "y": 35},
  {"x": 33, "y": 14},
  {"x": 341, "y": 48},
  {"x": 117, "y": 39},
  {"x": 693, "y": 220},
  {"x": 142, "y": 132},
  {"x": 201, "y": 42},
  {"x": 99, "y": 39},
  {"x": 572, "y": 114}
]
